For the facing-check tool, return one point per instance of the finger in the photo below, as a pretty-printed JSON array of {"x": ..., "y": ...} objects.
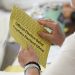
[
  {"x": 23, "y": 49},
  {"x": 30, "y": 48},
  {"x": 45, "y": 20},
  {"x": 47, "y": 23},
  {"x": 46, "y": 36}
]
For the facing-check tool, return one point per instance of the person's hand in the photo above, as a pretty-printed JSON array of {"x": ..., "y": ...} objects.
[
  {"x": 57, "y": 36},
  {"x": 27, "y": 55}
]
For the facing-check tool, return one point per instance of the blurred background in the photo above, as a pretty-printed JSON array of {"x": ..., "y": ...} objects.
[{"x": 59, "y": 11}]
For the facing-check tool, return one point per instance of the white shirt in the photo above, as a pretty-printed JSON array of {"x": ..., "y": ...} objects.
[{"x": 64, "y": 63}]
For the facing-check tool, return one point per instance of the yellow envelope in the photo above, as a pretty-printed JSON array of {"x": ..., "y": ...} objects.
[{"x": 25, "y": 31}]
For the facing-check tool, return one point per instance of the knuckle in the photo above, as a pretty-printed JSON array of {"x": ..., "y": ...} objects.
[{"x": 56, "y": 26}]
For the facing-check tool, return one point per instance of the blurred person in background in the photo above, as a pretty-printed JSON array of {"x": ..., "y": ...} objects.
[{"x": 68, "y": 12}]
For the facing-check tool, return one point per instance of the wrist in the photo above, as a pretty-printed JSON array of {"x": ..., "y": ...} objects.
[{"x": 32, "y": 67}]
